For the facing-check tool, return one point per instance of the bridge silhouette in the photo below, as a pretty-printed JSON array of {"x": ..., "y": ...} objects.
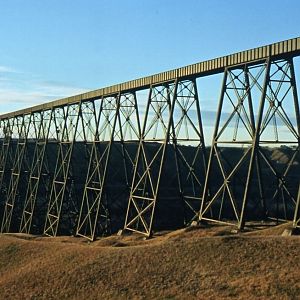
[{"x": 66, "y": 165}]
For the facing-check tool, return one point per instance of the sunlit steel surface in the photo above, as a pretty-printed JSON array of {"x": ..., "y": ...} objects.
[{"x": 58, "y": 160}]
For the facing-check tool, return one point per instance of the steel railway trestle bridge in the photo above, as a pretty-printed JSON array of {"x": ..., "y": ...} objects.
[{"x": 89, "y": 165}]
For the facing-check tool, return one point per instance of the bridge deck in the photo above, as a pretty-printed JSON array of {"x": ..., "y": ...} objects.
[{"x": 289, "y": 47}]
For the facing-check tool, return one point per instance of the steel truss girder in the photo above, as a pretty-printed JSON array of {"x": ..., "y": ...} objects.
[
  {"x": 167, "y": 123},
  {"x": 116, "y": 127},
  {"x": 38, "y": 171},
  {"x": 214, "y": 66},
  {"x": 26, "y": 129},
  {"x": 278, "y": 83}
]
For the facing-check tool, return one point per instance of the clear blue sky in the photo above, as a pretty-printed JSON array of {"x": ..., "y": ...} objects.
[{"x": 56, "y": 48}]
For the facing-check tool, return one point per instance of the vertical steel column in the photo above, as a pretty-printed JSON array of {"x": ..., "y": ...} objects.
[
  {"x": 149, "y": 164},
  {"x": 296, "y": 220},
  {"x": 3, "y": 134},
  {"x": 43, "y": 122},
  {"x": 61, "y": 184},
  {"x": 14, "y": 198},
  {"x": 226, "y": 178}
]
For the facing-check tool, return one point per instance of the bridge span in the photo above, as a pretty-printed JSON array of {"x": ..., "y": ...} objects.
[{"x": 93, "y": 163}]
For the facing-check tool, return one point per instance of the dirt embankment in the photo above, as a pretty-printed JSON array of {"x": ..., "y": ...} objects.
[{"x": 202, "y": 263}]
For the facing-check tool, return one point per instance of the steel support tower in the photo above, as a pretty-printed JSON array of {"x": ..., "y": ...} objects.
[
  {"x": 275, "y": 123},
  {"x": 84, "y": 166},
  {"x": 18, "y": 178},
  {"x": 117, "y": 133},
  {"x": 39, "y": 181},
  {"x": 167, "y": 125}
]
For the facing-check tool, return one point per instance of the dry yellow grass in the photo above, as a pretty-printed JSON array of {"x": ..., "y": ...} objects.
[{"x": 200, "y": 263}]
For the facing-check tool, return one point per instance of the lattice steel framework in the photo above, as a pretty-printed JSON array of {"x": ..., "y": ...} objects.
[
  {"x": 271, "y": 84},
  {"x": 26, "y": 129},
  {"x": 5, "y": 159},
  {"x": 37, "y": 190},
  {"x": 190, "y": 152},
  {"x": 167, "y": 123},
  {"x": 99, "y": 158},
  {"x": 66, "y": 165},
  {"x": 280, "y": 128},
  {"x": 116, "y": 126},
  {"x": 67, "y": 119}
]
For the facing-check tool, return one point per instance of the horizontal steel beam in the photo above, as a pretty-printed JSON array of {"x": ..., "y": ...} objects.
[{"x": 281, "y": 49}]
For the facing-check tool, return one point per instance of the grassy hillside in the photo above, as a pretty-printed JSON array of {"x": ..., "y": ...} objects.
[{"x": 200, "y": 263}]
